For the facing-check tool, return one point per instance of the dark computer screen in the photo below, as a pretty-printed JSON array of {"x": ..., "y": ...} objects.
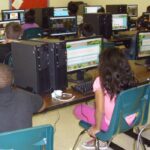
[
  {"x": 60, "y": 26},
  {"x": 91, "y": 9},
  {"x": 60, "y": 11},
  {"x": 2, "y": 28},
  {"x": 83, "y": 53},
  {"x": 117, "y": 9},
  {"x": 143, "y": 44},
  {"x": 119, "y": 22},
  {"x": 132, "y": 10},
  {"x": 13, "y": 15}
]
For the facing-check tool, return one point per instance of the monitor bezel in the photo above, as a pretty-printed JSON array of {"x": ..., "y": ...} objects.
[
  {"x": 137, "y": 47},
  {"x": 11, "y": 10},
  {"x": 120, "y": 29},
  {"x": 136, "y": 7},
  {"x": 65, "y": 34},
  {"x": 80, "y": 39},
  {"x": 91, "y": 6}
]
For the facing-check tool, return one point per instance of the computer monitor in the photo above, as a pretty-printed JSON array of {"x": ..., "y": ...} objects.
[
  {"x": 2, "y": 28},
  {"x": 143, "y": 46},
  {"x": 132, "y": 10},
  {"x": 117, "y": 9},
  {"x": 82, "y": 54},
  {"x": 62, "y": 26},
  {"x": 119, "y": 22},
  {"x": 60, "y": 11},
  {"x": 13, "y": 15},
  {"x": 91, "y": 9}
]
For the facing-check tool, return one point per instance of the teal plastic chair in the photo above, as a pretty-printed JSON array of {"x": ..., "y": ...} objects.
[
  {"x": 35, "y": 138},
  {"x": 32, "y": 33},
  {"x": 134, "y": 100}
]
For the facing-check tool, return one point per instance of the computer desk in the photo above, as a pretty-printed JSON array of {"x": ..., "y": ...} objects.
[{"x": 141, "y": 73}]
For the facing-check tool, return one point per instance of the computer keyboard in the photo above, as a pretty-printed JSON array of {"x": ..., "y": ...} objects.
[{"x": 84, "y": 88}]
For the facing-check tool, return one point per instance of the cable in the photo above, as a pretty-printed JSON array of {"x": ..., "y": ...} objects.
[{"x": 56, "y": 121}]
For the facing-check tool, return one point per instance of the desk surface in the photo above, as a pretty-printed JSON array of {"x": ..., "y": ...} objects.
[{"x": 141, "y": 73}]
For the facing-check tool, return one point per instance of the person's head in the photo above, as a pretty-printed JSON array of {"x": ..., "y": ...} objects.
[
  {"x": 13, "y": 30},
  {"x": 148, "y": 9},
  {"x": 72, "y": 8},
  {"x": 29, "y": 16},
  {"x": 6, "y": 76},
  {"x": 101, "y": 10},
  {"x": 86, "y": 30},
  {"x": 115, "y": 71}
]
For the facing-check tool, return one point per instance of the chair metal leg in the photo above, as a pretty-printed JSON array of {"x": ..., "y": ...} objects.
[{"x": 78, "y": 139}]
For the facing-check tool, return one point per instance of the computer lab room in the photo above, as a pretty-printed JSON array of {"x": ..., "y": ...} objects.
[{"x": 74, "y": 75}]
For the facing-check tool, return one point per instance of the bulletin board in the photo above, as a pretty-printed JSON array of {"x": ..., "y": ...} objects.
[{"x": 27, "y": 4}]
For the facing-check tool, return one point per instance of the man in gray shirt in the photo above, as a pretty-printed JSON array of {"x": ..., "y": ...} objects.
[{"x": 16, "y": 105}]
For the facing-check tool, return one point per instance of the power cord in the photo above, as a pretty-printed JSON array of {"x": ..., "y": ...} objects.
[{"x": 56, "y": 121}]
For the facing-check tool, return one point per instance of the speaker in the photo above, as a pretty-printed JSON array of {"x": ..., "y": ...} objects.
[
  {"x": 31, "y": 66},
  {"x": 101, "y": 22}
]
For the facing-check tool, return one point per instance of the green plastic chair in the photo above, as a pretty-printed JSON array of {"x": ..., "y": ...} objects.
[
  {"x": 32, "y": 33},
  {"x": 35, "y": 138},
  {"x": 134, "y": 100}
]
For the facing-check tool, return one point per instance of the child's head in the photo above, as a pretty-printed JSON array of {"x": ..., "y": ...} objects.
[
  {"x": 115, "y": 71},
  {"x": 73, "y": 8},
  {"x": 13, "y": 30},
  {"x": 101, "y": 10},
  {"x": 86, "y": 30},
  {"x": 29, "y": 16}
]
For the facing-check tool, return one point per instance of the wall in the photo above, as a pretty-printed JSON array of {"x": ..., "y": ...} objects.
[{"x": 142, "y": 4}]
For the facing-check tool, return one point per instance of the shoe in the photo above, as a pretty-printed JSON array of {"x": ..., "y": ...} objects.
[{"x": 90, "y": 145}]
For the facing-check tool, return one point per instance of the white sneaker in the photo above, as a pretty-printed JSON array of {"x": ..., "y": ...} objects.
[{"x": 90, "y": 145}]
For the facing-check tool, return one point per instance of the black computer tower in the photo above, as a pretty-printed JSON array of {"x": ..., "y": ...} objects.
[
  {"x": 40, "y": 66},
  {"x": 101, "y": 22},
  {"x": 117, "y": 9}
]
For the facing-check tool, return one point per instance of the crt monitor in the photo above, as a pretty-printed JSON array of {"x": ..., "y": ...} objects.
[
  {"x": 2, "y": 28},
  {"x": 60, "y": 11},
  {"x": 119, "y": 22},
  {"x": 61, "y": 26},
  {"x": 143, "y": 46},
  {"x": 91, "y": 9},
  {"x": 13, "y": 15},
  {"x": 132, "y": 10},
  {"x": 83, "y": 53}
]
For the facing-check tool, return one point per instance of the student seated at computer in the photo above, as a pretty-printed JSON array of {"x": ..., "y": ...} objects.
[
  {"x": 16, "y": 105},
  {"x": 13, "y": 32},
  {"x": 85, "y": 30},
  {"x": 29, "y": 20},
  {"x": 73, "y": 9},
  {"x": 101, "y": 10}
]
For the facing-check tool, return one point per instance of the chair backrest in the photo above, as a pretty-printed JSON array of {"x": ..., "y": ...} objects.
[
  {"x": 35, "y": 138},
  {"x": 128, "y": 102},
  {"x": 32, "y": 33}
]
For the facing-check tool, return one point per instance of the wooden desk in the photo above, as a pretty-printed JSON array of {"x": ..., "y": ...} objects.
[{"x": 141, "y": 73}]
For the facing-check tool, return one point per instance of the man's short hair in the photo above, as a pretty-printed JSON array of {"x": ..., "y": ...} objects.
[
  {"x": 6, "y": 76},
  {"x": 13, "y": 30},
  {"x": 73, "y": 8}
]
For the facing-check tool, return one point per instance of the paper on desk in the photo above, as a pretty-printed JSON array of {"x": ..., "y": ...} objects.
[{"x": 17, "y": 3}]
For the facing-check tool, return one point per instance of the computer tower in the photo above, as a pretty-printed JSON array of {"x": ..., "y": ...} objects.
[
  {"x": 117, "y": 9},
  {"x": 31, "y": 66},
  {"x": 101, "y": 22},
  {"x": 39, "y": 66}
]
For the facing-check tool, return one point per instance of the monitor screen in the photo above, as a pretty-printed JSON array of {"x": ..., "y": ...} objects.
[
  {"x": 62, "y": 11},
  {"x": 132, "y": 10},
  {"x": 83, "y": 53},
  {"x": 60, "y": 26},
  {"x": 91, "y": 9},
  {"x": 119, "y": 22},
  {"x": 13, "y": 15},
  {"x": 2, "y": 28},
  {"x": 143, "y": 44}
]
